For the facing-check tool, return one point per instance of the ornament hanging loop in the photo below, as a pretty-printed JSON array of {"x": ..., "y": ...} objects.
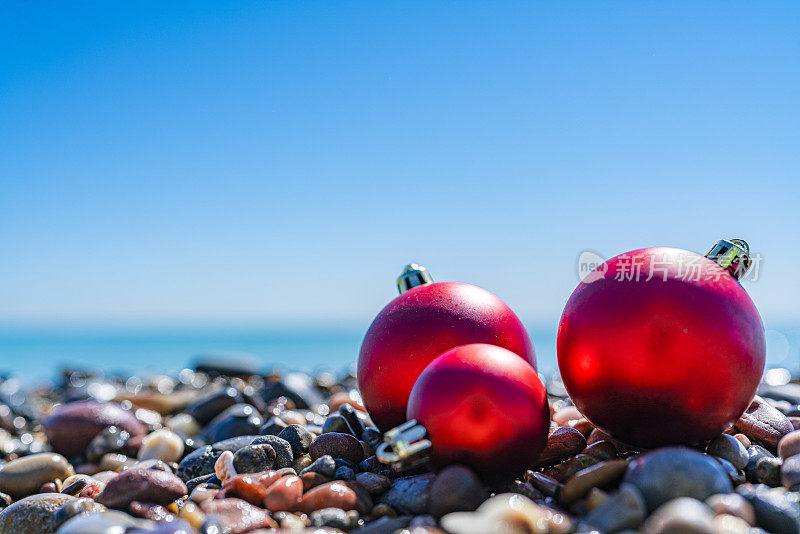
[
  {"x": 413, "y": 275},
  {"x": 732, "y": 255},
  {"x": 405, "y": 446}
]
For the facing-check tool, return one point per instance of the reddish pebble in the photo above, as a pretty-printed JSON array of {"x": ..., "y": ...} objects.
[
  {"x": 764, "y": 424},
  {"x": 789, "y": 445},
  {"x": 337, "y": 494},
  {"x": 146, "y": 485},
  {"x": 563, "y": 443},
  {"x": 251, "y": 487},
  {"x": 284, "y": 495},
  {"x": 238, "y": 516},
  {"x": 312, "y": 480}
]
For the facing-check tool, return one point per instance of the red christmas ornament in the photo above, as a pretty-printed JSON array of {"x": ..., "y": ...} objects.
[
  {"x": 663, "y": 346},
  {"x": 423, "y": 322},
  {"x": 482, "y": 406}
]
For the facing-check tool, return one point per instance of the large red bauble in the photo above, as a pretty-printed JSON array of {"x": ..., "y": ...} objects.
[
  {"x": 420, "y": 324},
  {"x": 484, "y": 407},
  {"x": 673, "y": 359}
]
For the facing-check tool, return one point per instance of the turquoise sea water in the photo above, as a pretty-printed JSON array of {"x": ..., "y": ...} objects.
[{"x": 39, "y": 354}]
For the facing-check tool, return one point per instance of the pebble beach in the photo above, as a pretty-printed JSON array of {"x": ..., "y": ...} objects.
[{"x": 220, "y": 449}]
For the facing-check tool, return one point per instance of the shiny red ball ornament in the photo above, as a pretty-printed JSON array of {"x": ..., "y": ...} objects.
[
  {"x": 417, "y": 326},
  {"x": 482, "y": 406},
  {"x": 663, "y": 346}
]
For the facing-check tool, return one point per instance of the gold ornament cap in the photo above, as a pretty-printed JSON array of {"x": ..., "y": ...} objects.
[
  {"x": 413, "y": 275},
  {"x": 733, "y": 255}
]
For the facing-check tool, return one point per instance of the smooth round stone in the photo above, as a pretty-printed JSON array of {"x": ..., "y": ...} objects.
[
  {"x": 789, "y": 445},
  {"x": 764, "y": 424},
  {"x": 455, "y": 489},
  {"x": 790, "y": 473},
  {"x": 236, "y": 515},
  {"x": 409, "y": 495},
  {"x": 333, "y": 518},
  {"x": 601, "y": 450},
  {"x": 345, "y": 473},
  {"x": 207, "y": 408},
  {"x": 254, "y": 458},
  {"x": 238, "y": 420},
  {"x": 107, "y": 522},
  {"x": 683, "y": 515},
  {"x": 595, "y": 476},
  {"x": 337, "y": 445},
  {"x": 24, "y": 476},
  {"x": 33, "y": 515},
  {"x": 563, "y": 443},
  {"x": 344, "y": 495},
  {"x": 672, "y": 472},
  {"x": 776, "y": 512},
  {"x": 298, "y": 438},
  {"x": 284, "y": 494},
  {"x": 754, "y": 454},
  {"x": 283, "y": 451},
  {"x": 145, "y": 485},
  {"x": 768, "y": 471},
  {"x": 729, "y": 448},
  {"x": 624, "y": 509},
  {"x": 71, "y": 427},
  {"x": 374, "y": 483},
  {"x": 732, "y": 504},
  {"x": 77, "y": 507},
  {"x": 164, "y": 445},
  {"x": 108, "y": 440},
  {"x": 730, "y": 524}
]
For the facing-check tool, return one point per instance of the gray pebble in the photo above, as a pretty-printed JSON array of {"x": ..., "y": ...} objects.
[
  {"x": 790, "y": 473},
  {"x": 333, "y": 518},
  {"x": 625, "y": 509},
  {"x": 731, "y": 449},
  {"x": 254, "y": 458},
  {"x": 768, "y": 471},
  {"x": 775, "y": 512},
  {"x": 672, "y": 472},
  {"x": 298, "y": 437},
  {"x": 344, "y": 473},
  {"x": 683, "y": 515},
  {"x": 324, "y": 465},
  {"x": 456, "y": 489},
  {"x": 409, "y": 495}
]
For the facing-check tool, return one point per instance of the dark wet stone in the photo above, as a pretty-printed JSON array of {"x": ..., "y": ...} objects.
[
  {"x": 523, "y": 488},
  {"x": 563, "y": 443},
  {"x": 372, "y": 436},
  {"x": 77, "y": 507},
  {"x": 624, "y": 509},
  {"x": 337, "y": 445},
  {"x": 731, "y": 449},
  {"x": 354, "y": 423},
  {"x": 384, "y": 525},
  {"x": 374, "y": 483},
  {"x": 238, "y": 420},
  {"x": 549, "y": 486},
  {"x": 682, "y": 515},
  {"x": 672, "y": 472},
  {"x": 776, "y": 513},
  {"x": 324, "y": 465},
  {"x": 76, "y": 487},
  {"x": 254, "y": 458},
  {"x": 273, "y": 426},
  {"x": 109, "y": 440},
  {"x": 298, "y": 438},
  {"x": 201, "y": 461},
  {"x": 764, "y": 424},
  {"x": 601, "y": 450},
  {"x": 456, "y": 488},
  {"x": 335, "y": 423},
  {"x": 409, "y": 495},
  {"x": 768, "y": 471},
  {"x": 283, "y": 451},
  {"x": 333, "y": 518},
  {"x": 5, "y": 501},
  {"x": 146, "y": 485},
  {"x": 295, "y": 386},
  {"x": 213, "y": 404},
  {"x": 344, "y": 473},
  {"x": 71, "y": 427},
  {"x": 754, "y": 454},
  {"x": 193, "y": 483}
]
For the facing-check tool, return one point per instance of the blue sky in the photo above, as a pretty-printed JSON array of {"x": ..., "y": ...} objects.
[{"x": 279, "y": 162}]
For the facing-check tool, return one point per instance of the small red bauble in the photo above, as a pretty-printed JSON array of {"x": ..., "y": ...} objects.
[
  {"x": 661, "y": 346},
  {"x": 483, "y": 406},
  {"x": 420, "y": 324}
]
